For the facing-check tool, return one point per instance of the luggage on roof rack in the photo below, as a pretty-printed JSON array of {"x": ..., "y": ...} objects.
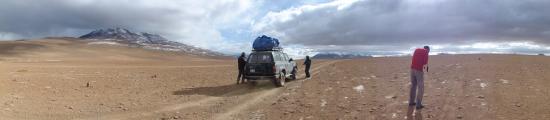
[
  {"x": 265, "y": 43},
  {"x": 274, "y": 49}
]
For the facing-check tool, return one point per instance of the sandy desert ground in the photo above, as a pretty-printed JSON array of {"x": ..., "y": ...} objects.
[{"x": 72, "y": 79}]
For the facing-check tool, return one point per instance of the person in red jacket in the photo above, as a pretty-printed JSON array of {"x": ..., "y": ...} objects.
[{"x": 419, "y": 62}]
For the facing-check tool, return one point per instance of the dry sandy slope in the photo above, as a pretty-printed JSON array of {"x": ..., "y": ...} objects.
[
  {"x": 47, "y": 79},
  {"x": 471, "y": 87}
]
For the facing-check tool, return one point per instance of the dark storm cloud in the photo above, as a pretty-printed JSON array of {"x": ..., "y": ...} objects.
[
  {"x": 189, "y": 21},
  {"x": 38, "y": 18},
  {"x": 398, "y": 22}
]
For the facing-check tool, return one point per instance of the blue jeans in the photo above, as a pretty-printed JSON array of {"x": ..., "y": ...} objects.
[{"x": 417, "y": 81}]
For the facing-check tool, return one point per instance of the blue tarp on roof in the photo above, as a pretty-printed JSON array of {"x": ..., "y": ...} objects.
[{"x": 265, "y": 43}]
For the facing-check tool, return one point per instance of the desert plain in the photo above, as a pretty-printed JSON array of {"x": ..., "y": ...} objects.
[{"x": 72, "y": 79}]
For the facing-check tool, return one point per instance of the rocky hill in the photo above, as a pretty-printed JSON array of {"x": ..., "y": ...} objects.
[{"x": 145, "y": 40}]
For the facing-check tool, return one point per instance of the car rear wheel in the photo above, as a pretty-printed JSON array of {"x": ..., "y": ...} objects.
[{"x": 280, "y": 82}]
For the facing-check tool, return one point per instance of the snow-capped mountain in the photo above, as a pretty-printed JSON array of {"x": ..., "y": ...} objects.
[{"x": 145, "y": 40}]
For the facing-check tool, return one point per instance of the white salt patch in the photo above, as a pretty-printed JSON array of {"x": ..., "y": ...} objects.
[
  {"x": 323, "y": 103},
  {"x": 373, "y": 76},
  {"x": 54, "y": 60},
  {"x": 478, "y": 79},
  {"x": 103, "y": 43},
  {"x": 286, "y": 94},
  {"x": 359, "y": 88},
  {"x": 329, "y": 88},
  {"x": 483, "y": 103},
  {"x": 483, "y": 85},
  {"x": 394, "y": 115},
  {"x": 504, "y": 81}
]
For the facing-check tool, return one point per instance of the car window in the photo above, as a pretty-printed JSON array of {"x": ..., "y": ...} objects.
[
  {"x": 260, "y": 58},
  {"x": 277, "y": 56},
  {"x": 282, "y": 56}
]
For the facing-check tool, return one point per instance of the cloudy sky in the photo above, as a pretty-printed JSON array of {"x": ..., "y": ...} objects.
[{"x": 304, "y": 27}]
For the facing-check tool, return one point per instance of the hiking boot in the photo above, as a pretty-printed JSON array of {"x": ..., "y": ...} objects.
[{"x": 419, "y": 106}]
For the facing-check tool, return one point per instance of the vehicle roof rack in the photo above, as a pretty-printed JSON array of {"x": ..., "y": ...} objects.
[{"x": 273, "y": 49}]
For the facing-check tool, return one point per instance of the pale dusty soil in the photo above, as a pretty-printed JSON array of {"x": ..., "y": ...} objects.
[
  {"x": 470, "y": 87},
  {"x": 47, "y": 79}
]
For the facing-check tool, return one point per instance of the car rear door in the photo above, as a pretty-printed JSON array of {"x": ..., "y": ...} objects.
[
  {"x": 277, "y": 58},
  {"x": 281, "y": 62},
  {"x": 287, "y": 63},
  {"x": 260, "y": 64}
]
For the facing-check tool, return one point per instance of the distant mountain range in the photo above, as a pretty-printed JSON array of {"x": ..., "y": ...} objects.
[
  {"x": 339, "y": 56},
  {"x": 145, "y": 40}
]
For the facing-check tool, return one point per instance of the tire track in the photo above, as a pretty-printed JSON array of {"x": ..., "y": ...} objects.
[
  {"x": 211, "y": 99},
  {"x": 169, "y": 108},
  {"x": 172, "y": 66},
  {"x": 257, "y": 99}
]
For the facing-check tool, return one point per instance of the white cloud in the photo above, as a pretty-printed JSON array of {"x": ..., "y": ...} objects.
[
  {"x": 410, "y": 22},
  {"x": 299, "y": 51},
  {"x": 516, "y": 47},
  {"x": 9, "y": 36},
  {"x": 189, "y": 21},
  {"x": 305, "y": 27},
  {"x": 269, "y": 22}
]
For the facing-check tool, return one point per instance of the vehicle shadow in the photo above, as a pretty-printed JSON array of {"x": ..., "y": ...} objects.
[
  {"x": 412, "y": 115},
  {"x": 298, "y": 79},
  {"x": 227, "y": 90}
]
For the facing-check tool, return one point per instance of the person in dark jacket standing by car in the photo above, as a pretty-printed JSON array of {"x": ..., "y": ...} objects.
[
  {"x": 307, "y": 62},
  {"x": 241, "y": 64}
]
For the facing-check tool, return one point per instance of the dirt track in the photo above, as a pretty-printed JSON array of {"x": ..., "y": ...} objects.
[
  {"x": 51, "y": 82},
  {"x": 222, "y": 106}
]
